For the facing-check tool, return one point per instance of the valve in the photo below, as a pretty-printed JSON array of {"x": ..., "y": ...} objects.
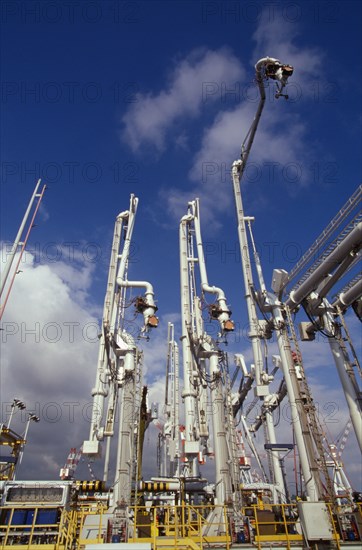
[
  {"x": 277, "y": 71},
  {"x": 148, "y": 311},
  {"x": 223, "y": 316}
]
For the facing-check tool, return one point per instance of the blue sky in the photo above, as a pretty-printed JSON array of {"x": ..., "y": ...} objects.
[{"x": 101, "y": 99}]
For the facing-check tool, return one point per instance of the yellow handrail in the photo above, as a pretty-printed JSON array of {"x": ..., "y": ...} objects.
[{"x": 183, "y": 524}]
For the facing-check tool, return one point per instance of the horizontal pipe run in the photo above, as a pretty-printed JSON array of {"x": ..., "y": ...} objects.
[
  {"x": 352, "y": 243},
  {"x": 347, "y": 298}
]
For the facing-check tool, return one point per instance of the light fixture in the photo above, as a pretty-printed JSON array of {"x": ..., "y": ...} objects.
[{"x": 15, "y": 404}]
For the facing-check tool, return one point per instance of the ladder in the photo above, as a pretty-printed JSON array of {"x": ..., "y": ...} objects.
[
  {"x": 349, "y": 340},
  {"x": 330, "y": 248},
  {"x": 315, "y": 431},
  {"x": 352, "y": 202}
]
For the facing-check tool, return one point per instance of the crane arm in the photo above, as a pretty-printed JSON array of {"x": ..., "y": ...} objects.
[{"x": 265, "y": 68}]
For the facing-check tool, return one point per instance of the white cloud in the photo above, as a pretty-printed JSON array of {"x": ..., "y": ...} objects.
[
  {"x": 49, "y": 349},
  {"x": 277, "y": 154},
  {"x": 276, "y": 36},
  {"x": 149, "y": 119},
  {"x": 280, "y": 148}
]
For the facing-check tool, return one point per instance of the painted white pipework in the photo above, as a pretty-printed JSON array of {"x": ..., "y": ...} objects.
[
  {"x": 347, "y": 298},
  {"x": 221, "y": 299},
  {"x": 149, "y": 295},
  {"x": 189, "y": 393},
  {"x": 351, "y": 244}
]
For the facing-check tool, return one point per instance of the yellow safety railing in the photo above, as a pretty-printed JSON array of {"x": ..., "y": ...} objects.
[
  {"x": 168, "y": 526},
  {"x": 182, "y": 525},
  {"x": 96, "y": 529},
  {"x": 280, "y": 523},
  {"x": 63, "y": 534},
  {"x": 273, "y": 523},
  {"x": 347, "y": 523},
  {"x": 35, "y": 532}
]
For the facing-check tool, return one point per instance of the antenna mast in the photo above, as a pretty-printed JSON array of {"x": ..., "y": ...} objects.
[{"x": 18, "y": 242}]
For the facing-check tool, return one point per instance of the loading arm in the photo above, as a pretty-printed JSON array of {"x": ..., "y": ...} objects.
[
  {"x": 220, "y": 312},
  {"x": 145, "y": 305},
  {"x": 120, "y": 364},
  {"x": 203, "y": 370},
  {"x": 265, "y": 68}
]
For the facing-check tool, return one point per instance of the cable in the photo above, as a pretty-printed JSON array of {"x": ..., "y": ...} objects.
[{"x": 315, "y": 324}]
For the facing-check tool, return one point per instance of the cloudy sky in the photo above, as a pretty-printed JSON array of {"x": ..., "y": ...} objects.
[{"x": 101, "y": 99}]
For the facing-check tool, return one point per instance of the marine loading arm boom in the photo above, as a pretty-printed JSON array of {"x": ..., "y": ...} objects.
[
  {"x": 202, "y": 361},
  {"x": 265, "y": 68},
  {"x": 119, "y": 369}
]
